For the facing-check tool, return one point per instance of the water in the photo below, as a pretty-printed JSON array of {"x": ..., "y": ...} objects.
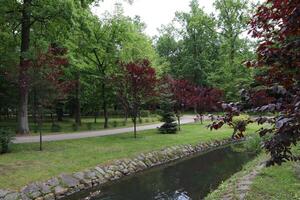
[{"x": 189, "y": 179}]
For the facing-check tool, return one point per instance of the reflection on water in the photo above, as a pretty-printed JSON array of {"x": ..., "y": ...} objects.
[{"x": 190, "y": 179}]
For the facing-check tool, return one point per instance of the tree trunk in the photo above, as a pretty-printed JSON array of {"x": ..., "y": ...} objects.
[
  {"x": 134, "y": 126},
  {"x": 77, "y": 102},
  {"x": 104, "y": 106},
  {"x": 178, "y": 119},
  {"x": 95, "y": 117},
  {"x": 23, "y": 127},
  {"x": 59, "y": 112},
  {"x": 52, "y": 119},
  {"x": 34, "y": 113}
]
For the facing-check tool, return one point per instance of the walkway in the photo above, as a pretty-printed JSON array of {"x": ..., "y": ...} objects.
[{"x": 87, "y": 134}]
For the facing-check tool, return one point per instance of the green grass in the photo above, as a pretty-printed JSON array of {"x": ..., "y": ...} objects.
[
  {"x": 273, "y": 183},
  {"x": 68, "y": 126},
  {"x": 26, "y": 164},
  {"x": 276, "y": 183}
]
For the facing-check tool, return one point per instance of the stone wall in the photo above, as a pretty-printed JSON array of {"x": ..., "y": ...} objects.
[{"x": 68, "y": 184}]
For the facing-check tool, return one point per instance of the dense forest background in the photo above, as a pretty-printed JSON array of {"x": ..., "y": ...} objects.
[{"x": 59, "y": 57}]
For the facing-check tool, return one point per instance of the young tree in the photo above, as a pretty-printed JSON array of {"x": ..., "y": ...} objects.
[
  {"x": 167, "y": 107},
  {"x": 183, "y": 93},
  {"x": 206, "y": 99},
  {"x": 135, "y": 86}
]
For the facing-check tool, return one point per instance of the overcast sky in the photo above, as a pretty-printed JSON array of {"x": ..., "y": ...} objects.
[{"x": 153, "y": 12}]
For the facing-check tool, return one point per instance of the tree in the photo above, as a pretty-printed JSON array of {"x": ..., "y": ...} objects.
[
  {"x": 234, "y": 48},
  {"x": 135, "y": 86},
  {"x": 276, "y": 24},
  {"x": 190, "y": 50},
  {"x": 35, "y": 22},
  {"x": 167, "y": 107},
  {"x": 206, "y": 99},
  {"x": 183, "y": 93}
]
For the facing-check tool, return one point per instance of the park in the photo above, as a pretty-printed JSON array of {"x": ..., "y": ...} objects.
[{"x": 149, "y": 100}]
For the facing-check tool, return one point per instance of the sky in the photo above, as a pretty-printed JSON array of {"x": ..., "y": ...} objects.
[{"x": 153, "y": 12}]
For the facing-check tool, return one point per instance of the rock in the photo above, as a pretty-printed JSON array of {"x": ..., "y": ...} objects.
[
  {"x": 100, "y": 170},
  {"x": 53, "y": 182},
  {"x": 79, "y": 175},
  {"x": 39, "y": 198},
  {"x": 60, "y": 191},
  {"x": 118, "y": 174},
  {"x": 3, "y": 193},
  {"x": 12, "y": 196},
  {"x": 49, "y": 196},
  {"x": 44, "y": 189},
  {"x": 32, "y": 190},
  {"x": 90, "y": 175},
  {"x": 69, "y": 180},
  {"x": 24, "y": 197}
]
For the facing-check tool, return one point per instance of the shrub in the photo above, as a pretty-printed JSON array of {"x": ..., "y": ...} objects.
[
  {"x": 115, "y": 123},
  {"x": 6, "y": 137},
  {"x": 55, "y": 128},
  {"x": 74, "y": 127},
  {"x": 253, "y": 144},
  {"x": 140, "y": 120},
  {"x": 145, "y": 113},
  {"x": 89, "y": 126},
  {"x": 147, "y": 120},
  {"x": 240, "y": 118},
  {"x": 124, "y": 123}
]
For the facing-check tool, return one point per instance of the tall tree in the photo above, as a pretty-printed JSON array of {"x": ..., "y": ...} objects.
[
  {"x": 35, "y": 22},
  {"x": 232, "y": 19},
  {"x": 191, "y": 49}
]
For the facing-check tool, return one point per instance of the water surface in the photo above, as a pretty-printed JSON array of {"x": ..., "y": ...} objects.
[{"x": 189, "y": 179}]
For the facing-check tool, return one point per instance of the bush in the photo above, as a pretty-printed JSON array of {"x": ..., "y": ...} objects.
[
  {"x": 140, "y": 120},
  {"x": 240, "y": 118},
  {"x": 55, "y": 128},
  {"x": 147, "y": 120},
  {"x": 6, "y": 137},
  {"x": 89, "y": 126},
  {"x": 145, "y": 113},
  {"x": 115, "y": 123},
  {"x": 253, "y": 144},
  {"x": 74, "y": 127}
]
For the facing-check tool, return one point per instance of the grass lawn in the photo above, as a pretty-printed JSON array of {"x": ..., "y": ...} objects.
[
  {"x": 68, "y": 126},
  {"x": 26, "y": 164},
  {"x": 273, "y": 183}
]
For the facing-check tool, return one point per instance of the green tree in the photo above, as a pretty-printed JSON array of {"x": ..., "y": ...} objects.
[
  {"x": 230, "y": 75},
  {"x": 167, "y": 108}
]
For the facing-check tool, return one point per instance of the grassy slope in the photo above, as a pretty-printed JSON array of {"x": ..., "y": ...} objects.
[
  {"x": 67, "y": 126},
  {"x": 273, "y": 183},
  {"x": 26, "y": 164}
]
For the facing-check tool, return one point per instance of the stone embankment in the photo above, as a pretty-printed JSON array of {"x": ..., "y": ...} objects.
[{"x": 68, "y": 184}]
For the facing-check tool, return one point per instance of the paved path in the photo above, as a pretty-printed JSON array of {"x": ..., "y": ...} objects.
[{"x": 86, "y": 134}]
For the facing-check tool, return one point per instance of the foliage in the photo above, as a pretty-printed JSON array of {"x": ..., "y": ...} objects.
[
  {"x": 135, "y": 86},
  {"x": 207, "y": 99},
  {"x": 253, "y": 144},
  {"x": 6, "y": 136},
  {"x": 230, "y": 75},
  {"x": 167, "y": 107},
  {"x": 189, "y": 51},
  {"x": 276, "y": 24}
]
